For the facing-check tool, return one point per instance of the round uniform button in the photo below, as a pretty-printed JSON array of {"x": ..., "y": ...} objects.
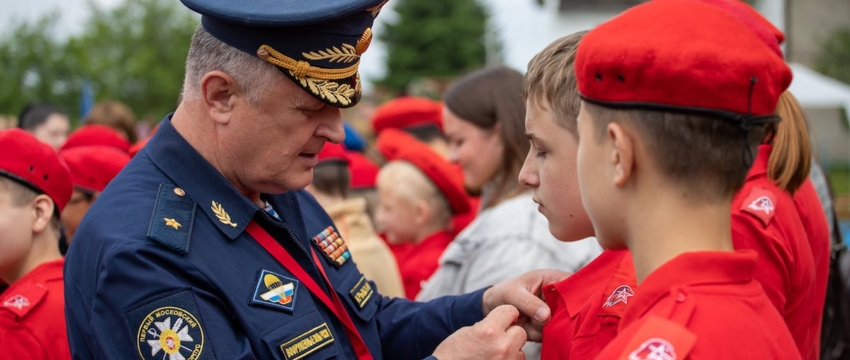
[{"x": 179, "y": 191}]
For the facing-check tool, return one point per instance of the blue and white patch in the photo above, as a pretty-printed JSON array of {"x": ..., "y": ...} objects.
[
  {"x": 276, "y": 291},
  {"x": 168, "y": 328}
]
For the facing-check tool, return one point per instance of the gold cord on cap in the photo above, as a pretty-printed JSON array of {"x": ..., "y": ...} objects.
[{"x": 303, "y": 69}]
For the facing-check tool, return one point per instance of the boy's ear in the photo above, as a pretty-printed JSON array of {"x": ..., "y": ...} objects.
[
  {"x": 622, "y": 154},
  {"x": 422, "y": 212},
  {"x": 219, "y": 92},
  {"x": 42, "y": 207}
]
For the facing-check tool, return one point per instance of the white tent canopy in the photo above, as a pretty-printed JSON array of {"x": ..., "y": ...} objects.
[{"x": 816, "y": 91}]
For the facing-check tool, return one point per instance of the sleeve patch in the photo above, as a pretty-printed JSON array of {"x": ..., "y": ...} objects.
[
  {"x": 660, "y": 339},
  {"x": 23, "y": 299},
  {"x": 761, "y": 203},
  {"x": 169, "y": 328}
]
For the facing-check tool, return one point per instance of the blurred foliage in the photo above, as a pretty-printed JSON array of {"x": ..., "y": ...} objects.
[
  {"x": 834, "y": 59},
  {"x": 433, "y": 39},
  {"x": 133, "y": 52}
]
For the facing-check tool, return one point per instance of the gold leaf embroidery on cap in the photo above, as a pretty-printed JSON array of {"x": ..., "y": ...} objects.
[
  {"x": 345, "y": 55},
  {"x": 303, "y": 68},
  {"x": 377, "y": 8},
  {"x": 222, "y": 215},
  {"x": 364, "y": 41},
  {"x": 327, "y": 90}
]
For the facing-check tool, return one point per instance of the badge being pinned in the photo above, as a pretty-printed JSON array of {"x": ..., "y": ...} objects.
[
  {"x": 332, "y": 246},
  {"x": 275, "y": 290}
]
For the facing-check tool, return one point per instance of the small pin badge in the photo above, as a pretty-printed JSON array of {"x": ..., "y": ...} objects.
[
  {"x": 222, "y": 215},
  {"x": 173, "y": 223}
]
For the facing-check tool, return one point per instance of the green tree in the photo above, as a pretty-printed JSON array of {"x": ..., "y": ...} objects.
[
  {"x": 433, "y": 39},
  {"x": 834, "y": 59},
  {"x": 133, "y": 52}
]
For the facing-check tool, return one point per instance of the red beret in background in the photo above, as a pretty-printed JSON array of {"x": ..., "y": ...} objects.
[
  {"x": 95, "y": 134},
  {"x": 391, "y": 141},
  {"x": 333, "y": 151},
  {"x": 680, "y": 55},
  {"x": 93, "y": 167},
  {"x": 407, "y": 111},
  {"x": 25, "y": 159},
  {"x": 364, "y": 172}
]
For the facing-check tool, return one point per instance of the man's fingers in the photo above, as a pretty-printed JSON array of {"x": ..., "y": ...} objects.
[
  {"x": 502, "y": 317},
  {"x": 529, "y": 305},
  {"x": 548, "y": 276},
  {"x": 534, "y": 331}
]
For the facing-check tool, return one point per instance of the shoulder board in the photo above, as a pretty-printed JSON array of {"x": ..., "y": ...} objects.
[
  {"x": 761, "y": 203},
  {"x": 173, "y": 216},
  {"x": 23, "y": 299},
  {"x": 659, "y": 338}
]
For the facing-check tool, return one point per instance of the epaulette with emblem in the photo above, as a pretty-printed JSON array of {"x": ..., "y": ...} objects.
[
  {"x": 659, "y": 338},
  {"x": 761, "y": 203},
  {"x": 173, "y": 215},
  {"x": 23, "y": 299}
]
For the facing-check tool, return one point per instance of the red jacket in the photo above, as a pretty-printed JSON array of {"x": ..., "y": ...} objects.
[
  {"x": 766, "y": 219},
  {"x": 702, "y": 305},
  {"x": 32, "y": 316},
  {"x": 417, "y": 263},
  {"x": 587, "y": 307}
]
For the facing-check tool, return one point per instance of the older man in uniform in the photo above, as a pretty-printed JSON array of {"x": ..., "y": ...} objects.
[{"x": 204, "y": 247}]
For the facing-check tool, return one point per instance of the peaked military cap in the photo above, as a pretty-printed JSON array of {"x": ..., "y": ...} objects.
[{"x": 317, "y": 44}]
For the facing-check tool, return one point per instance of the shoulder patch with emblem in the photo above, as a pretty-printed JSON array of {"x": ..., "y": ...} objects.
[
  {"x": 173, "y": 215},
  {"x": 169, "y": 328},
  {"x": 275, "y": 290},
  {"x": 23, "y": 299},
  {"x": 761, "y": 203},
  {"x": 660, "y": 339}
]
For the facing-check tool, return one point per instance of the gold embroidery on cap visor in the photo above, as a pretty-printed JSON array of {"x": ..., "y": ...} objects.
[{"x": 319, "y": 81}]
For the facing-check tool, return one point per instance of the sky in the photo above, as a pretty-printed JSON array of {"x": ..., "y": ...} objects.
[{"x": 518, "y": 23}]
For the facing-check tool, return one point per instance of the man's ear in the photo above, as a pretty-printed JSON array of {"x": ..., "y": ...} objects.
[
  {"x": 622, "y": 153},
  {"x": 43, "y": 207},
  {"x": 219, "y": 92}
]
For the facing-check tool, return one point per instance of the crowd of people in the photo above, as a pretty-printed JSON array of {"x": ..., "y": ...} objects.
[{"x": 644, "y": 190}]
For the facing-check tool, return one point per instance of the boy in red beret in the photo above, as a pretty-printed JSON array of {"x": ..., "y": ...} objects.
[
  {"x": 96, "y": 134},
  {"x": 666, "y": 139},
  {"x": 330, "y": 187},
  {"x": 418, "y": 192},
  {"x": 34, "y": 187},
  {"x": 92, "y": 168}
]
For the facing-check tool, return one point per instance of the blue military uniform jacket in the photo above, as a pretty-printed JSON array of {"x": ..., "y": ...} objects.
[{"x": 162, "y": 268}]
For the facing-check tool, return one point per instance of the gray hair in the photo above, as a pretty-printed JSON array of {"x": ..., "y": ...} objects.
[{"x": 206, "y": 53}]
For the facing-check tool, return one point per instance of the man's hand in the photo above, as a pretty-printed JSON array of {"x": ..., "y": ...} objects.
[
  {"x": 494, "y": 338},
  {"x": 525, "y": 293}
]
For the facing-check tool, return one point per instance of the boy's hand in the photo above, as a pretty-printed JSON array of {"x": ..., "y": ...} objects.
[
  {"x": 494, "y": 338},
  {"x": 525, "y": 293}
]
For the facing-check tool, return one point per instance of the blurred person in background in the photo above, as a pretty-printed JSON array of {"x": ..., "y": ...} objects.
[
  {"x": 331, "y": 188},
  {"x": 115, "y": 115},
  {"x": 48, "y": 122}
]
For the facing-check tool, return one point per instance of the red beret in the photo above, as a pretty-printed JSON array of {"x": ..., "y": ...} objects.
[
  {"x": 25, "y": 159},
  {"x": 750, "y": 18},
  {"x": 391, "y": 141},
  {"x": 407, "y": 111},
  {"x": 363, "y": 171},
  {"x": 446, "y": 176},
  {"x": 333, "y": 151},
  {"x": 93, "y": 167},
  {"x": 95, "y": 134},
  {"x": 680, "y": 55}
]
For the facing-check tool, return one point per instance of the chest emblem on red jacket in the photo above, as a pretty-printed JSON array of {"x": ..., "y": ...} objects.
[
  {"x": 620, "y": 295},
  {"x": 18, "y": 302},
  {"x": 654, "y": 349}
]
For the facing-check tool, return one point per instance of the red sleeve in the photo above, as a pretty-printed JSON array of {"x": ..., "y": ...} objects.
[
  {"x": 19, "y": 342},
  {"x": 774, "y": 255}
]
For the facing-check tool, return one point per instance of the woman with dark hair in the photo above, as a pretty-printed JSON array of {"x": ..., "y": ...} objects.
[
  {"x": 483, "y": 119},
  {"x": 47, "y": 122}
]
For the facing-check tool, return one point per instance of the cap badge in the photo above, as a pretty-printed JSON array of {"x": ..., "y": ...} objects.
[
  {"x": 173, "y": 223},
  {"x": 332, "y": 246},
  {"x": 222, "y": 215}
]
